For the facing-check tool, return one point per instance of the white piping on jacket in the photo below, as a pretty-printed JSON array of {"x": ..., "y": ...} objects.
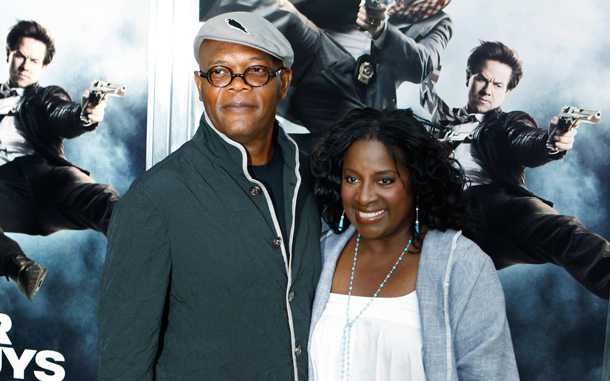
[
  {"x": 446, "y": 306},
  {"x": 292, "y": 228},
  {"x": 278, "y": 231}
]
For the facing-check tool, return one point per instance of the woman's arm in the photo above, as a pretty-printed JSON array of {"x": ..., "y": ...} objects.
[{"x": 482, "y": 343}]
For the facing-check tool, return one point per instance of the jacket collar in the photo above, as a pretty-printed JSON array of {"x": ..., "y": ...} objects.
[
  {"x": 488, "y": 114},
  {"x": 229, "y": 154},
  {"x": 492, "y": 114},
  {"x": 7, "y": 91}
]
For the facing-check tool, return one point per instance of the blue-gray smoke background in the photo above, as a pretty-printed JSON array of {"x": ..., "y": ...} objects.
[
  {"x": 557, "y": 327},
  {"x": 106, "y": 40}
]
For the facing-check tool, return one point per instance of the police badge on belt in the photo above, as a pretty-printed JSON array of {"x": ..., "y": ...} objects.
[{"x": 365, "y": 68}]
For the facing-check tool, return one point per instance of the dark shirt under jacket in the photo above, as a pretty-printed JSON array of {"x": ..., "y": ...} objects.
[{"x": 272, "y": 177}]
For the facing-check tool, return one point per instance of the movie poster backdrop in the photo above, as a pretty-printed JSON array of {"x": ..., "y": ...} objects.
[
  {"x": 54, "y": 336},
  {"x": 557, "y": 327}
]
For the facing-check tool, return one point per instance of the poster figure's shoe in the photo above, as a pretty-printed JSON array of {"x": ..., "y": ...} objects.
[{"x": 27, "y": 274}]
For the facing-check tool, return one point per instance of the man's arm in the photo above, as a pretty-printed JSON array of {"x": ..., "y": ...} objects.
[
  {"x": 63, "y": 115},
  {"x": 133, "y": 290},
  {"x": 413, "y": 54},
  {"x": 527, "y": 143}
]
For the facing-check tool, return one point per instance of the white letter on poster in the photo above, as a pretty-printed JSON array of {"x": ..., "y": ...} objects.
[
  {"x": 19, "y": 364},
  {"x": 58, "y": 372},
  {"x": 5, "y": 326}
]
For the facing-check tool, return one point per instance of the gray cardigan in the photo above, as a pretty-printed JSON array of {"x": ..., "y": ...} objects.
[{"x": 465, "y": 332}]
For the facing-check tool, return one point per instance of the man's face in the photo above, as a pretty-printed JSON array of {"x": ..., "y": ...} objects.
[
  {"x": 25, "y": 63},
  {"x": 487, "y": 89},
  {"x": 244, "y": 113}
]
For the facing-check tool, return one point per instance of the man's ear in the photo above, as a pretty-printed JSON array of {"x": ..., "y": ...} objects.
[
  {"x": 286, "y": 78},
  {"x": 198, "y": 82}
]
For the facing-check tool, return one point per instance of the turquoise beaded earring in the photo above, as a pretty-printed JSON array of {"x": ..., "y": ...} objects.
[{"x": 341, "y": 221}]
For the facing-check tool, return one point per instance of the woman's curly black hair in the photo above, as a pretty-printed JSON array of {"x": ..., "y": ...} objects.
[{"x": 435, "y": 179}]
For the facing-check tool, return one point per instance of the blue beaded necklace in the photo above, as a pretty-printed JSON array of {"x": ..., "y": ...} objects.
[{"x": 349, "y": 323}]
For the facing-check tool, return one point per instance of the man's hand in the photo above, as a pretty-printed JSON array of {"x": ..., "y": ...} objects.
[
  {"x": 563, "y": 141},
  {"x": 95, "y": 113},
  {"x": 371, "y": 21}
]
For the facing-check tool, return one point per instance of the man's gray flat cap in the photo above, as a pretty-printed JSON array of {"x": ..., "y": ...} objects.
[{"x": 246, "y": 29}]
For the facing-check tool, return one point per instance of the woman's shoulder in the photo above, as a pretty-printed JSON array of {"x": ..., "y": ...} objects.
[
  {"x": 330, "y": 239},
  {"x": 467, "y": 250},
  {"x": 451, "y": 249},
  {"x": 461, "y": 266},
  {"x": 331, "y": 243}
]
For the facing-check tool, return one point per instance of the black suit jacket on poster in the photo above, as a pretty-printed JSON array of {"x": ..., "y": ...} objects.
[
  {"x": 506, "y": 143},
  {"x": 46, "y": 116}
]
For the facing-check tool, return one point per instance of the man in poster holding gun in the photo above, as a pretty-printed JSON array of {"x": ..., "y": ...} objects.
[
  {"x": 41, "y": 192},
  {"x": 511, "y": 224}
]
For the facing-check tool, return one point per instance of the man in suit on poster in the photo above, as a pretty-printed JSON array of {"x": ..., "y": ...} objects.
[
  {"x": 513, "y": 225},
  {"x": 41, "y": 192}
]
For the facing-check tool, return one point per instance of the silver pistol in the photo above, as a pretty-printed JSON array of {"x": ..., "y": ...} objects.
[
  {"x": 569, "y": 118},
  {"x": 99, "y": 91}
]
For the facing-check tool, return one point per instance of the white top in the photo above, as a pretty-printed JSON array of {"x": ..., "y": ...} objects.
[
  {"x": 463, "y": 154},
  {"x": 386, "y": 342},
  {"x": 12, "y": 142}
]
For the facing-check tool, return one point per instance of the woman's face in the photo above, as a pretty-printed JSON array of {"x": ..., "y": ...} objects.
[{"x": 375, "y": 191}]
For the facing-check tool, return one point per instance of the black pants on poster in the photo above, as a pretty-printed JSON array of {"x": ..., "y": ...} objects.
[
  {"x": 38, "y": 198},
  {"x": 519, "y": 229}
]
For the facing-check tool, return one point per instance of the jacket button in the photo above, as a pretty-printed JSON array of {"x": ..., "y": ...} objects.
[
  {"x": 277, "y": 242},
  {"x": 255, "y": 190},
  {"x": 298, "y": 350},
  {"x": 291, "y": 296}
]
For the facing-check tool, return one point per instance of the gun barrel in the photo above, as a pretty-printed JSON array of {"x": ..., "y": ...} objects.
[
  {"x": 595, "y": 119},
  {"x": 115, "y": 92},
  {"x": 105, "y": 88},
  {"x": 592, "y": 117},
  {"x": 579, "y": 114}
]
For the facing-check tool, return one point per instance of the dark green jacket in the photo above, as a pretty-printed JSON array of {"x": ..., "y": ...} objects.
[{"x": 193, "y": 287}]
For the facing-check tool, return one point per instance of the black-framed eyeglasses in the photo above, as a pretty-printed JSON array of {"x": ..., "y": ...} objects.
[{"x": 255, "y": 76}]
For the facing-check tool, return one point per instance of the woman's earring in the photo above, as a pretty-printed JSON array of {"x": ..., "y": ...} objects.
[
  {"x": 341, "y": 221},
  {"x": 417, "y": 216}
]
